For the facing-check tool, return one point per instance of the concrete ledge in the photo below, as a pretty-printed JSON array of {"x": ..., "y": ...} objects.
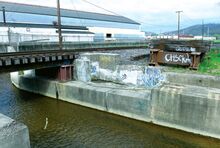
[
  {"x": 194, "y": 79},
  {"x": 13, "y": 134}
]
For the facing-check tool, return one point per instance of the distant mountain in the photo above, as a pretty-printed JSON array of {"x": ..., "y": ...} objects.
[{"x": 196, "y": 30}]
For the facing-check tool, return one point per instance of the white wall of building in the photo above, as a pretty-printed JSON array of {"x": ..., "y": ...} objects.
[
  {"x": 49, "y": 34},
  {"x": 19, "y": 34},
  {"x": 115, "y": 32}
]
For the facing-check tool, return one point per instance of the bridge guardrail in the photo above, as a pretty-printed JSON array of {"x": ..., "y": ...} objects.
[{"x": 83, "y": 45}]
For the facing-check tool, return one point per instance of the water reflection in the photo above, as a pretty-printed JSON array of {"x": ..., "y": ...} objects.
[{"x": 75, "y": 126}]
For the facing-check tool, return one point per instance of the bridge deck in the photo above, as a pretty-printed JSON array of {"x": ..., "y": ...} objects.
[{"x": 15, "y": 61}]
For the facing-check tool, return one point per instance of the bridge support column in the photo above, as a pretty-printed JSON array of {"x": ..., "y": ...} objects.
[{"x": 62, "y": 73}]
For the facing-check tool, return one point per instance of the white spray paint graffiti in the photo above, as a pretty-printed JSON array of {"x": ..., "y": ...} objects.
[
  {"x": 183, "y": 58},
  {"x": 186, "y": 49}
]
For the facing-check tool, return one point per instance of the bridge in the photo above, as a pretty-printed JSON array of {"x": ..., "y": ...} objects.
[{"x": 35, "y": 55}]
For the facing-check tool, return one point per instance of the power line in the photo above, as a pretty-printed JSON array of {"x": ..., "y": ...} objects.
[
  {"x": 117, "y": 14},
  {"x": 80, "y": 19},
  {"x": 101, "y": 7},
  {"x": 77, "y": 14}
]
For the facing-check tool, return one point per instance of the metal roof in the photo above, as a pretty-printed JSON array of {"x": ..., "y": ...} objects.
[
  {"x": 28, "y": 25},
  {"x": 42, "y": 10},
  {"x": 75, "y": 32}
]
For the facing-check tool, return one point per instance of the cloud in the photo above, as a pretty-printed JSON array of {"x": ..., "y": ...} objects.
[{"x": 158, "y": 14}]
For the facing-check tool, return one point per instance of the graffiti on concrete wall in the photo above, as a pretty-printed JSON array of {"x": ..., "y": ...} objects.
[
  {"x": 177, "y": 58},
  {"x": 148, "y": 77},
  {"x": 94, "y": 69},
  {"x": 153, "y": 77}
]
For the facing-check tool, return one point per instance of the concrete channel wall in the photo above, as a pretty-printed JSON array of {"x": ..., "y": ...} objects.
[
  {"x": 194, "y": 79},
  {"x": 185, "y": 107},
  {"x": 13, "y": 134}
]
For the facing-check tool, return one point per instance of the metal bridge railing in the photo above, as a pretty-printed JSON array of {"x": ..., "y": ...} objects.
[{"x": 28, "y": 42}]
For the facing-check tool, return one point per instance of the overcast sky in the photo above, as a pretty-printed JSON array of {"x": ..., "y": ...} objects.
[{"x": 154, "y": 15}]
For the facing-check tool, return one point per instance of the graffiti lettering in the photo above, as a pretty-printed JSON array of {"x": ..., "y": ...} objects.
[
  {"x": 183, "y": 58},
  {"x": 186, "y": 49}
]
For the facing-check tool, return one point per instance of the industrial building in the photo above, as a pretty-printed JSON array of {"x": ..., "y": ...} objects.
[{"x": 22, "y": 22}]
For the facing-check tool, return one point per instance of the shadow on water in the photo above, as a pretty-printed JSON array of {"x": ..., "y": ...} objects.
[{"x": 75, "y": 126}]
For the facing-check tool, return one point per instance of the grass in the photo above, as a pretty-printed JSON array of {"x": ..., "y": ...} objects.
[
  {"x": 217, "y": 41},
  {"x": 211, "y": 63}
]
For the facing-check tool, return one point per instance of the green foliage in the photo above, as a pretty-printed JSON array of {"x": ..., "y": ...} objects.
[
  {"x": 211, "y": 63},
  {"x": 216, "y": 35},
  {"x": 217, "y": 41}
]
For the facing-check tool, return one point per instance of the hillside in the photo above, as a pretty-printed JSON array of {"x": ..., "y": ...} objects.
[{"x": 209, "y": 30}]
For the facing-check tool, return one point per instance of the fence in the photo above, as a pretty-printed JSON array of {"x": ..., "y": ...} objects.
[{"x": 27, "y": 42}]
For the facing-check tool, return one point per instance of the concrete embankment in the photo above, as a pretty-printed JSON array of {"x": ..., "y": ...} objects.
[
  {"x": 13, "y": 134},
  {"x": 186, "y": 107},
  {"x": 194, "y": 79}
]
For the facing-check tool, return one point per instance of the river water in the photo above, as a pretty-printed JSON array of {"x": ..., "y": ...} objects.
[{"x": 70, "y": 125}]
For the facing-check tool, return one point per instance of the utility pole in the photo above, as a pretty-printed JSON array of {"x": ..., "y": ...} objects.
[
  {"x": 3, "y": 13},
  {"x": 208, "y": 31},
  {"x": 59, "y": 24},
  {"x": 178, "y": 12},
  {"x": 4, "y": 22},
  {"x": 202, "y": 29}
]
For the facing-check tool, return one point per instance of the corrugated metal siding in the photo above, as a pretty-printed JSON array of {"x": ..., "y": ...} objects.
[{"x": 23, "y": 8}]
